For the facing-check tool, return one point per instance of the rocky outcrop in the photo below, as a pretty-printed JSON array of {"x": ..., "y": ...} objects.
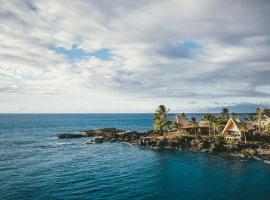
[
  {"x": 107, "y": 134},
  {"x": 176, "y": 141},
  {"x": 70, "y": 135}
]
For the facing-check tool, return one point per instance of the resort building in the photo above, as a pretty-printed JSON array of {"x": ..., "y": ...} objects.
[
  {"x": 203, "y": 127},
  {"x": 264, "y": 122},
  {"x": 232, "y": 130},
  {"x": 251, "y": 127},
  {"x": 186, "y": 126}
]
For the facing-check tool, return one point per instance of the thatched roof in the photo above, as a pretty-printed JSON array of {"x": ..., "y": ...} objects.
[
  {"x": 183, "y": 122},
  {"x": 250, "y": 126},
  {"x": 203, "y": 124}
]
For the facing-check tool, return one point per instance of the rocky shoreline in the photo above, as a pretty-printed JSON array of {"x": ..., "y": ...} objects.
[{"x": 177, "y": 141}]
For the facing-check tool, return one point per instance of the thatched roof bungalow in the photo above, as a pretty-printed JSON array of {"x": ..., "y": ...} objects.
[
  {"x": 186, "y": 126},
  {"x": 232, "y": 129}
]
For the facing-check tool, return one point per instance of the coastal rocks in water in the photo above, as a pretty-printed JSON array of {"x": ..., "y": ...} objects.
[
  {"x": 249, "y": 153},
  {"x": 107, "y": 134},
  {"x": 70, "y": 135},
  {"x": 264, "y": 153},
  {"x": 176, "y": 141},
  {"x": 91, "y": 133},
  {"x": 165, "y": 142},
  {"x": 99, "y": 139}
]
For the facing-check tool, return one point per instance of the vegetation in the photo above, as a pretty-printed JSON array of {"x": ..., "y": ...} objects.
[
  {"x": 251, "y": 117},
  {"x": 161, "y": 122},
  {"x": 195, "y": 124},
  {"x": 209, "y": 118},
  {"x": 243, "y": 128},
  {"x": 176, "y": 126},
  {"x": 184, "y": 115},
  {"x": 266, "y": 111},
  {"x": 259, "y": 113},
  {"x": 224, "y": 115},
  {"x": 215, "y": 123},
  {"x": 234, "y": 115}
]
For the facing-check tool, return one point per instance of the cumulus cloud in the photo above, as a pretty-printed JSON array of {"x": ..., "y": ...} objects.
[{"x": 174, "y": 52}]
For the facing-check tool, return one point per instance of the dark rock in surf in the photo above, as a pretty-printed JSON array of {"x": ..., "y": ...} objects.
[{"x": 70, "y": 135}]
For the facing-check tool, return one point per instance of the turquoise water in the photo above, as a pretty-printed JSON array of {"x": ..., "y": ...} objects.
[{"x": 34, "y": 164}]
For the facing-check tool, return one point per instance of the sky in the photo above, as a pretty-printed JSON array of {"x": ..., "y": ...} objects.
[{"x": 100, "y": 56}]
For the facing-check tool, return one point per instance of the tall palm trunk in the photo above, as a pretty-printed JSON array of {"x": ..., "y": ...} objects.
[
  {"x": 245, "y": 137},
  {"x": 259, "y": 123}
]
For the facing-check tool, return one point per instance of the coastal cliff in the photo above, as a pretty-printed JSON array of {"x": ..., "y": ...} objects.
[{"x": 177, "y": 141}]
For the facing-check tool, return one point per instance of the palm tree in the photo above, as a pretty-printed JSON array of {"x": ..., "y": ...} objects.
[
  {"x": 194, "y": 124},
  {"x": 266, "y": 111},
  {"x": 184, "y": 115},
  {"x": 234, "y": 115},
  {"x": 225, "y": 115},
  {"x": 251, "y": 117},
  {"x": 216, "y": 122},
  {"x": 161, "y": 122},
  {"x": 176, "y": 125},
  {"x": 243, "y": 128},
  {"x": 259, "y": 113},
  {"x": 208, "y": 118}
]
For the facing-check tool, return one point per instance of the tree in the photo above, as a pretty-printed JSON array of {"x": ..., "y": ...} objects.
[
  {"x": 176, "y": 125},
  {"x": 208, "y": 118},
  {"x": 184, "y": 115},
  {"x": 243, "y": 128},
  {"x": 216, "y": 123},
  {"x": 251, "y": 117},
  {"x": 225, "y": 115},
  {"x": 259, "y": 113},
  {"x": 234, "y": 115},
  {"x": 266, "y": 111},
  {"x": 161, "y": 122},
  {"x": 195, "y": 124}
]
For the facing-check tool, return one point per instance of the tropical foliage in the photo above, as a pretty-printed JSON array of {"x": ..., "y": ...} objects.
[
  {"x": 195, "y": 125},
  {"x": 259, "y": 113},
  {"x": 184, "y": 115},
  {"x": 161, "y": 122},
  {"x": 251, "y": 117},
  {"x": 216, "y": 123},
  {"x": 266, "y": 111},
  {"x": 243, "y": 128},
  {"x": 224, "y": 116},
  {"x": 209, "y": 118}
]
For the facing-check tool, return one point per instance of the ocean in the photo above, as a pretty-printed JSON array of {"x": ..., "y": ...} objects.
[{"x": 35, "y": 164}]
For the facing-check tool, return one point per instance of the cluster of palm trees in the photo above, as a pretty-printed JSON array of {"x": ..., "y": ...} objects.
[
  {"x": 215, "y": 123},
  {"x": 163, "y": 124}
]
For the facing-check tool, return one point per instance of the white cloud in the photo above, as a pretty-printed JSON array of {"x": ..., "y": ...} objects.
[{"x": 150, "y": 63}]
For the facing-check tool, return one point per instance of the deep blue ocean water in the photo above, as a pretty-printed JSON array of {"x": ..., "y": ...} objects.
[{"x": 34, "y": 164}]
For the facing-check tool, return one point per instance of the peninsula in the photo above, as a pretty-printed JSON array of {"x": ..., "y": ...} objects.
[{"x": 214, "y": 133}]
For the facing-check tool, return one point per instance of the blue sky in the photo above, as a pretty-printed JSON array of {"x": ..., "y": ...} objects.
[
  {"x": 76, "y": 53},
  {"x": 131, "y": 56}
]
